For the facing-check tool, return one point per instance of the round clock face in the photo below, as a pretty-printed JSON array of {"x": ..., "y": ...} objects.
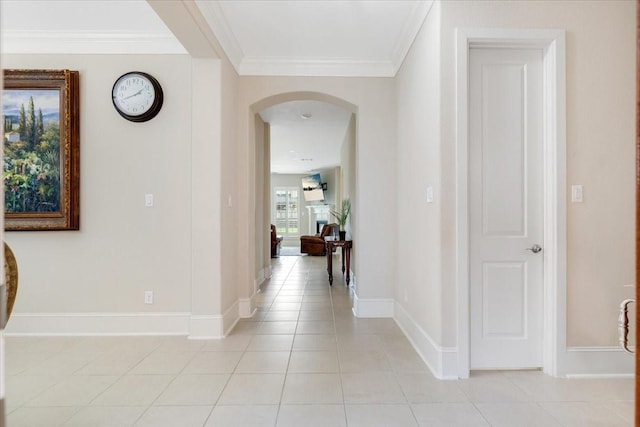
[{"x": 137, "y": 96}]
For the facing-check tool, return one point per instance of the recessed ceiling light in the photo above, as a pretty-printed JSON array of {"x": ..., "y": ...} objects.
[
  {"x": 306, "y": 116},
  {"x": 306, "y": 160}
]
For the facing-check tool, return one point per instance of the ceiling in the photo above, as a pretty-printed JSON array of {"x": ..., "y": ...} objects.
[
  {"x": 283, "y": 37},
  {"x": 316, "y": 37},
  {"x": 306, "y": 135}
]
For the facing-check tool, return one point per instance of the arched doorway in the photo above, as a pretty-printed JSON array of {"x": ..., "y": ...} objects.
[{"x": 340, "y": 172}]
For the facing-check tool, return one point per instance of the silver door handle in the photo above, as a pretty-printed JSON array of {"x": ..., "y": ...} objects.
[{"x": 535, "y": 248}]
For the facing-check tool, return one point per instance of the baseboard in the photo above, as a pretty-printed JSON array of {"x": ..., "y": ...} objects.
[
  {"x": 230, "y": 317},
  {"x": 260, "y": 279},
  {"x": 203, "y": 327},
  {"x": 372, "y": 307},
  {"x": 246, "y": 307},
  {"x": 598, "y": 362},
  {"x": 442, "y": 361},
  {"x": 98, "y": 324}
]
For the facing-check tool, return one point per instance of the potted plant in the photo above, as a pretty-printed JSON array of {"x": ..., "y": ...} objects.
[{"x": 341, "y": 216}]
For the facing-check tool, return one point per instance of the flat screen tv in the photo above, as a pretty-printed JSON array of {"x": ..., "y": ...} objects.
[{"x": 312, "y": 188}]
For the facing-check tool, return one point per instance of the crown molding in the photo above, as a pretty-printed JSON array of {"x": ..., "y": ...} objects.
[
  {"x": 214, "y": 15},
  {"x": 269, "y": 66},
  {"x": 52, "y": 42},
  {"x": 325, "y": 67},
  {"x": 410, "y": 31}
]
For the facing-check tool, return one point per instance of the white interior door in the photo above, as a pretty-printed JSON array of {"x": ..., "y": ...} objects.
[{"x": 506, "y": 207}]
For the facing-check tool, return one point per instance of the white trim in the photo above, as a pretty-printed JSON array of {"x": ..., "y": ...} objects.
[
  {"x": 442, "y": 361},
  {"x": 599, "y": 362},
  {"x": 262, "y": 276},
  {"x": 246, "y": 307},
  {"x": 230, "y": 318},
  {"x": 213, "y": 14},
  {"x": 206, "y": 327},
  {"x": 98, "y": 324},
  {"x": 554, "y": 87},
  {"x": 48, "y": 42},
  {"x": 323, "y": 67},
  {"x": 409, "y": 33},
  {"x": 372, "y": 307}
]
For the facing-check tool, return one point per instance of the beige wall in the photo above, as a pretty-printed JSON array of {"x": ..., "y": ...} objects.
[
  {"x": 600, "y": 147},
  {"x": 262, "y": 228},
  {"x": 229, "y": 191},
  {"x": 205, "y": 256},
  {"x": 348, "y": 178},
  {"x": 600, "y": 156},
  {"x": 122, "y": 248},
  {"x": 419, "y": 280}
]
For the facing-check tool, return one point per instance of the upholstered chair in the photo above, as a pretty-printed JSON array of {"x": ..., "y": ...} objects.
[
  {"x": 275, "y": 242},
  {"x": 314, "y": 245}
]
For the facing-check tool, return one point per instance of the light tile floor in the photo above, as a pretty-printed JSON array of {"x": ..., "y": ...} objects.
[{"x": 302, "y": 360}]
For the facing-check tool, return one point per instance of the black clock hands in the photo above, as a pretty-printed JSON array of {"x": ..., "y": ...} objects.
[{"x": 131, "y": 96}]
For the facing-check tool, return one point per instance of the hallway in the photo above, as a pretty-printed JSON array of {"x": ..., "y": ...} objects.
[{"x": 302, "y": 360}]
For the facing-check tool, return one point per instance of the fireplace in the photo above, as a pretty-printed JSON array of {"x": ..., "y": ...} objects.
[
  {"x": 319, "y": 224},
  {"x": 318, "y": 216}
]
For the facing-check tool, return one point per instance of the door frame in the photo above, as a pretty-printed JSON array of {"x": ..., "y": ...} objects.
[{"x": 552, "y": 42}]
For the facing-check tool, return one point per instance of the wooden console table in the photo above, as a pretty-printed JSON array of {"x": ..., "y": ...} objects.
[{"x": 346, "y": 246}]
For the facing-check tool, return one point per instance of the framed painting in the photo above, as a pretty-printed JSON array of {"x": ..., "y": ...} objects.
[{"x": 40, "y": 113}]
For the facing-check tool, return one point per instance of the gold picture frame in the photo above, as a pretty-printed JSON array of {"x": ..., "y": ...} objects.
[{"x": 41, "y": 127}]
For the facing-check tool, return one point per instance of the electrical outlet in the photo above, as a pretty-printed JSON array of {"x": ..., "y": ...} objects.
[{"x": 148, "y": 297}]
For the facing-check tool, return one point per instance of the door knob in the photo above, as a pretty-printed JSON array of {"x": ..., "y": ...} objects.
[{"x": 535, "y": 248}]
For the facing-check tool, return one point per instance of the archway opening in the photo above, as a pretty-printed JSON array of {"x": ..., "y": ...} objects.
[{"x": 296, "y": 136}]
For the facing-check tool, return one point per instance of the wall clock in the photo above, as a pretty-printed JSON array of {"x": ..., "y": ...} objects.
[{"x": 137, "y": 96}]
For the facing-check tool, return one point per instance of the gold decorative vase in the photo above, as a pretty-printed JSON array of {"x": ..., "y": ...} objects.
[{"x": 10, "y": 279}]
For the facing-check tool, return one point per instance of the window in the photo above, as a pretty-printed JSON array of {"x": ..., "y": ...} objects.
[{"x": 287, "y": 203}]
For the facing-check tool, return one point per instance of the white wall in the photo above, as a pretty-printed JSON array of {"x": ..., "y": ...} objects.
[{"x": 122, "y": 248}]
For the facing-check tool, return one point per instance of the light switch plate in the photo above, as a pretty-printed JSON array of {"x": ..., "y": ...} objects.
[
  {"x": 576, "y": 193},
  {"x": 148, "y": 200},
  {"x": 429, "y": 194}
]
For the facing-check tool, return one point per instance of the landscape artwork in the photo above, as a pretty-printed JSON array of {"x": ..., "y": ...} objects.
[
  {"x": 31, "y": 172},
  {"x": 41, "y": 149}
]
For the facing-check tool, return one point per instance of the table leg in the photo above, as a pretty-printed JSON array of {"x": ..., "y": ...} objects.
[
  {"x": 343, "y": 251},
  {"x": 330, "y": 263},
  {"x": 348, "y": 256}
]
